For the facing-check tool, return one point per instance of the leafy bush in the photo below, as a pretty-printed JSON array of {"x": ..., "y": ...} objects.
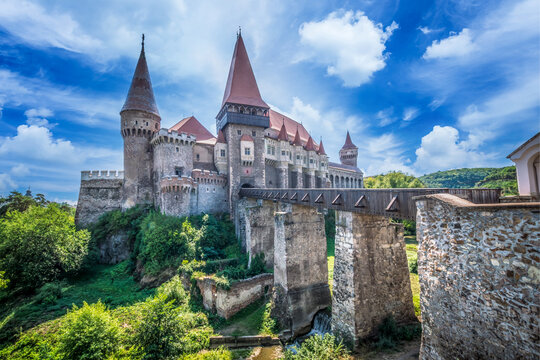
[
  {"x": 413, "y": 266},
  {"x": 49, "y": 293},
  {"x": 30, "y": 346},
  {"x": 268, "y": 325},
  {"x": 320, "y": 348},
  {"x": 216, "y": 354},
  {"x": 165, "y": 331},
  {"x": 174, "y": 290},
  {"x": 89, "y": 333},
  {"x": 393, "y": 179},
  {"x": 16, "y": 201},
  {"x": 40, "y": 245},
  {"x": 3, "y": 281}
]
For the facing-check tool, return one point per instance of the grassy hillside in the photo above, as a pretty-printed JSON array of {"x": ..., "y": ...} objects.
[{"x": 504, "y": 178}]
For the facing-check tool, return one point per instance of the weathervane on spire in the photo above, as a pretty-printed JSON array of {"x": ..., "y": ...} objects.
[
  {"x": 239, "y": 32},
  {"x": 142, "y": 43}
]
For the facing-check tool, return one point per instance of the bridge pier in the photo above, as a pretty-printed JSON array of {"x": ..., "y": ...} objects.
[
  {"x": 300, "y": 267},
  {"x": 371, "y": 276}
]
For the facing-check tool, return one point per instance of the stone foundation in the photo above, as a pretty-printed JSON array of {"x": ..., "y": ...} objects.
[
  {"x": 300, "y": 267},
  {"x": 226, "y": 303},
  {"x": 371, "y": 276},
  {"x": 100, "y": 192},
  {"x": 479, "y": 278}
]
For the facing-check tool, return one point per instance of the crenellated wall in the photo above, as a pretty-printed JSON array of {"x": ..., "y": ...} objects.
[
  {"x": 479, "y": 270},
  {"x": 100, "y": 191}
]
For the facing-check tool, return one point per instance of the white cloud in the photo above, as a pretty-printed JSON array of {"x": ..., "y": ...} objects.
[
  {"x": 20, "y": 170},
  {"x": 410, "y": 113},
  {"x": 442, "y": 149},
  {"x": 425, "y": 30},
  {"x": 38, "y": 117},
  {"x": 385, "y": 116},
  {"x": 453, "y": 46},
  {"x": 6, "y": 182},
  {"x": 349, "y": 43}
]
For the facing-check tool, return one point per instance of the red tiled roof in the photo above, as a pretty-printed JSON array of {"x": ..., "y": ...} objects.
[
  {"x": 310, "y": 146},
  {"x": 277, "y": 120},
  {"x": 348, "y": 143},
  {"x": 246, "y": 137},
  {"x": 221, "y": 137},
  {"x": 241, "y": 85},
  {"x": 191, "y": 125},
  {"x": 283, "y": 133},
  {"x": 321, "y": 149},
  {"x": 141, "y": 95}
]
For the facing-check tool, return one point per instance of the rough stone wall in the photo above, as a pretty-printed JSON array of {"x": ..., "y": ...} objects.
[
  {"x": 168, "y": 157},
  {"x": 96, "y": 197},
  {"x": 205, "y": 152},
  {"x": 271, "y": 176},
  {"x": 371, "y": 276},
  {"x": 253, "y": 175},
  {"x": 211, "y": 199},
  {"x": 300, "y": 267},
  {"x": 226, "y": 303},
  {"x": 175, "y": 203},
  {"x": 259, "y": 229},
  {"x": 479, "y": 278}
]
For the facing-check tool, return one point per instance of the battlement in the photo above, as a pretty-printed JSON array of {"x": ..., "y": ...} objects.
[
  {"x": 175, "y": 183},
  {"x": 164, "y": 136},
  {"x": 208, "y": 177},
  {"x": 102, "y": 175}
]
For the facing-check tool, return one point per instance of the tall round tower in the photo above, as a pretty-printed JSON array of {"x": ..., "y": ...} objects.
[
  {"x": 140, "y": 121},
  {"x": 348, "y": 154}
]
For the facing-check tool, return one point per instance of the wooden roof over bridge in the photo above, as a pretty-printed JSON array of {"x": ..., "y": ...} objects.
[{"x": 394, "y": 203}]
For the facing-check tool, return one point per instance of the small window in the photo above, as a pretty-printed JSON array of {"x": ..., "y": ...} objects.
[
  {"x": 253, "y": 133},
  {"x": 311, "y": 161},
  {"x": 136, "y": 122},
  {"x": 156, "y": 126},
  {"x": 179, "y": 170},
  {"x": 147, "y": 123},
  {"x": 268, "y": 149},
  {"x": 282, "y": 152},
  {"x": 222, "y": 153},
  {"x": 273, "y": 150},
  {"x": 239, "y": 132},
  {"x": 198, "y": 157},
  {"x": 297, "y": 157},
  {"x": 247, "y": 151},
  {"x": 207, "y": 189},
  {"x": 177, "y": 149}
]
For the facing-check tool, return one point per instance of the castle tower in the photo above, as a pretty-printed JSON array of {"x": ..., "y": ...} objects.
[
  {"x": 140, "y": 121},
  {"x": 243, "y": 118},
  {"x": 348, "y": 155},
  {"x": 220, "y": 153},
  {"x": 284, "y": 156},
  {"x": 323, "y": 168}
]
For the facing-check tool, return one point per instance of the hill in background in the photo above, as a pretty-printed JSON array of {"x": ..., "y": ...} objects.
[{"x": 504, "y": 178}]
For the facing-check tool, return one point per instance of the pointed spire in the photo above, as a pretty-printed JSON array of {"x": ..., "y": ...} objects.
[
  {"x": 297, "y": 141},
  {"x": 221, "y": 137},
  {"x": 321, "y": 149},
  {"x": 310, "y": 146},
  {"x": 283, "y": 133},
  {"x": 348, "y": 142},
  {"x": 241, "y": 85},
  {"x": 141, "y": 95}
]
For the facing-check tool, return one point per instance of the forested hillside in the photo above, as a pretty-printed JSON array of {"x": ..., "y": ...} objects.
[{"x": 504, "y": 178}]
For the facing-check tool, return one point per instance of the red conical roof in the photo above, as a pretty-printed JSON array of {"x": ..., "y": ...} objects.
[
  {"x": 309, "y": 145},
  {"x": 283, "y": 133},
  {"x": 297, "y": 141},
  {"x": 141, "y": 95},
  {"x": 348, "y": 143},
  {"x": 321, "y": 149},
  {"x": 221, "y": 137},
  {"x": 191, "y": 125},
  {"x": 241, "y": 85}
]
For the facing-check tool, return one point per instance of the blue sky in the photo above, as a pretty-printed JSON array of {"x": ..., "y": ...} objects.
[{"x": 421, "y": 85}]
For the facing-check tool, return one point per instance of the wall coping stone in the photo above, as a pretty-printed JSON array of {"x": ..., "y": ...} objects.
[{"x": 462, "y": 203}]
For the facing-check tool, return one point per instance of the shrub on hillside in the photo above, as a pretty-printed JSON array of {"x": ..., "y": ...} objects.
[
  {"x": 174, "y": 290},
  {"x": 321, "y": 348},
  {"x": 89, "y": 333},
  {"x": 49, "y": 293},
  {"x": 40, "y": 245},
  {"x": 413, "y": 266},
  {"x": 216, "y": 354},
  {"x": 3, "y": 281}
]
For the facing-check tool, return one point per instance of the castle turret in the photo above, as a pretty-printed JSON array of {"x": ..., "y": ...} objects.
[
  {"x": 140, "y": 121},
  {"x": 243, "y": 114},
  {"x": 220, "y": 153},
  {"x": 348, "y": 155}
]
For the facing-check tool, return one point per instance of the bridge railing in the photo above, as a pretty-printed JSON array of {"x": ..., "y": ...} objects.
[{"x": 395, "y": 203}]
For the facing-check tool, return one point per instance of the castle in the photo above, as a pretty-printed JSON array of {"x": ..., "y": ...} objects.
[{"x": 187, "y": 170}]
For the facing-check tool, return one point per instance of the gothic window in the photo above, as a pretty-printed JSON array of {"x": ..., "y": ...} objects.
[
  {"x": 222, "y": 153},
  {"x": 247, "y": 151},
  {"x": 239, "y": 132}
]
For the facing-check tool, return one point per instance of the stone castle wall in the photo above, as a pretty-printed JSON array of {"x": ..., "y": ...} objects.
[
  {"x": 479, "y": 270},
  {"x": 100, "y": 191}
]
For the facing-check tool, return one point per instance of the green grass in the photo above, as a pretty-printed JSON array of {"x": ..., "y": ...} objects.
[
  {"x": 247, "y": 321},
  {"x": 412, "y": 253},
  {"x": 330, "y": 253},
  {"x": 106, "y": 282}
]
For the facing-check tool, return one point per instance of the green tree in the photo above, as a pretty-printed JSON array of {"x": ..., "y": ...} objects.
[
  {"x": 89, "y": 333},
  {"x": 391, "y": 180},
  {"x": 3, "y": 281},
  {"x": 320, "y": 348},
  {"x": 39, "y": 245}
]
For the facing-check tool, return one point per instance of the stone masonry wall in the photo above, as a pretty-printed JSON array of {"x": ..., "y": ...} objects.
[
  {"x": 259, "y": 230},
  {"x": 97, "y": 196},
  {"x": 371, "y": 276},
  {"x": 226, "y": 303},
  {"x": 300, "y": 267},
  {"x": 479, "y": 278}
]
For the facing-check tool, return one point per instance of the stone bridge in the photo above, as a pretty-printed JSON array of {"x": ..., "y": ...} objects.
[{"x": 371, "y": 277}]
